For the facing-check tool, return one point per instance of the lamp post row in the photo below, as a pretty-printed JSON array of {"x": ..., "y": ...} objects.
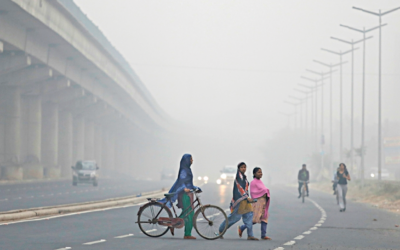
[{"x": 322, "y": 74}]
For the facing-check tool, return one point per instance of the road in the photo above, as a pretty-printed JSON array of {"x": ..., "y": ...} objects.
[
  {"x": 317, "y": 222},
  {"x": 50, "y": 193}
]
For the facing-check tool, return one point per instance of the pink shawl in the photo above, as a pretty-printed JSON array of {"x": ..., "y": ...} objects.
[{"x": 257, "y": 190}]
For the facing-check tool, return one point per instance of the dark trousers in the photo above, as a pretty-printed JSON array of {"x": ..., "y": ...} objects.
[
  {"x": 334, "y": 186},
  {"x": 301, "y": 185}
]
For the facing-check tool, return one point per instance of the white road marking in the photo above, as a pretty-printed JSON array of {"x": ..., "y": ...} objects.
[
  {"x": 4, "y": 200},
  {"x": 64, "y": 248},
  {"x": 152, "y": 230},
  {"x": 290, "y": 243},
  {"x": 94, "y": 242},
  {"x": 318, "y": 225},
  {"x": 279, "y": 248},
  {"x": 299, "y": 237},
  {"x": 314, "y": 228},
  {"x": 307, "y": 232},
  {"x": 123, "y": 236}
]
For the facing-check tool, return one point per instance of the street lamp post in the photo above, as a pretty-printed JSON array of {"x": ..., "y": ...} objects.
[
  {"x": 302, "y": 101},
  {"x": 340, "y": 54},
  {"x": 331, "y": 66},
  {"x": 288, "y": 116},
  {"x": 295, "y": 111},
  {"x": 352, "y": 43},
  {"x": 322, "y": 142},
  {"x": 379, "y": 14},
  {"x": 306, "y": 113},
  {"x": 364, "y": 32},
  {"x": 316, "y": 105}
]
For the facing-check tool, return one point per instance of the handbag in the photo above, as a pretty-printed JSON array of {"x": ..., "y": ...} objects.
[{"x": 245, "y": 207}]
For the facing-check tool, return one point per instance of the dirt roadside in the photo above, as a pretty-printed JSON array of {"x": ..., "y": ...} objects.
[{"x": 383, "y": 194}]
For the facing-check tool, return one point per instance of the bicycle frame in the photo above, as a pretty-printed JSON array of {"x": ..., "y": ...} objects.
[
  {"x": 305, "y": 186},
  {"x": 196, "y": 203}
]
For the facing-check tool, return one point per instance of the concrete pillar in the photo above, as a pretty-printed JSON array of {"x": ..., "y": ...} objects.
[
  {"x": 32, "y": 167},
  {"x": 98, "y": 142},
  {"x": 132, "y": 156},
  {"x": 50, "y": 140},
  {"x": 89, "y": 141},
  {"x": 111, "y": 151},
  {"x": 11, "y": 169},
  {"x": 78, "y": 151},
  {"x": 65, "y": 142},
  {"x": 119, "y": 159},
  {"x": 126, "y": 156},
  {"x": 104, "y": 151}
]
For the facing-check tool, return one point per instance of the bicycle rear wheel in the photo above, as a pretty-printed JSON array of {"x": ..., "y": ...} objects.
[
  {"x": 207, "y": 221},
  {"x": 148, "y": 219},
  {"x": 303, "y": 194}
]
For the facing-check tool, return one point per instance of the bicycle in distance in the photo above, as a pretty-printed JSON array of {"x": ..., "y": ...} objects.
[
  {"x": 155, "y": 218},
  {"x": 304, "y": 191}
]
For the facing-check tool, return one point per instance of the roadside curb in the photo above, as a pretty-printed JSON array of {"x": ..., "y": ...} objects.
[
  {"x": 50, "y": 180},
  {"x": 14, "y": 215}
]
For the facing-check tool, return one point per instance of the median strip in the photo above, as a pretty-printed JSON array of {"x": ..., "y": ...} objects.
[{"x": 20, "y": 214}]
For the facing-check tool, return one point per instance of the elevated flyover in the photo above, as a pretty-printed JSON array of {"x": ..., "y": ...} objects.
[{"x": 67, "y": 94}]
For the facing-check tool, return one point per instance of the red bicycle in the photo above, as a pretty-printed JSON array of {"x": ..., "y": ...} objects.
[{"x": 155, "y": 218}]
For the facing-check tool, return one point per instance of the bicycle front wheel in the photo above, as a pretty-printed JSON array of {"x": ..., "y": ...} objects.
[
  {"x": 207, "y": 221},
  {"x": 148, "y": 219}
]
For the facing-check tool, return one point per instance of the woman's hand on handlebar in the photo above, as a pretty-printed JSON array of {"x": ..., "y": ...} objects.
[
  {"x": 250, "y": 200},
  {"x": 187, "y": 190}
]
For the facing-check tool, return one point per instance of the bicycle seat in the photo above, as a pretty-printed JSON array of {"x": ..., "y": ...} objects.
[{"x": 169, "y": 195}]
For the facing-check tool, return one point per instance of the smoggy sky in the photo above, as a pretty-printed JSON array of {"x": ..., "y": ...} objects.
[{"x": 230, "y": 65}]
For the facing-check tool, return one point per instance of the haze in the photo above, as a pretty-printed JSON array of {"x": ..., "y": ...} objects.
[{"x": 225, "y": 68}]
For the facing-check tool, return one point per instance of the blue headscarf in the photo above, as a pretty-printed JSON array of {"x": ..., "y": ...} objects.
[{"x": 184, "y": 180}]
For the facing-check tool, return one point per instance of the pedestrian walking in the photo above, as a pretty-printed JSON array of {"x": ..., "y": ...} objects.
[
  {"x": 181, "y": 188},
  {"x": 260, "y": 208},
  {"x": 342, "y": 176},
  {"x": 240, "y": 205}
]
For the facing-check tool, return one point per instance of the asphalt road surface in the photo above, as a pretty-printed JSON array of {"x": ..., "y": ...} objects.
[
  {"x": 51, "y": 193},
  {"x": 316, "y": 224}
]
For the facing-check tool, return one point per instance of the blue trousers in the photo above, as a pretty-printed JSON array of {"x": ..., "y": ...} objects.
[
  {"x": 263, "y": 228},
  {"x": 235, "y": 217}
]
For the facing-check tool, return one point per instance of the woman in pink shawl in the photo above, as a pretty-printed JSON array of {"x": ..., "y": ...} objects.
[{"x": 260, "y": 208}]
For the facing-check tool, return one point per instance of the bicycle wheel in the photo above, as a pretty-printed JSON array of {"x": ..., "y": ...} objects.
[
  {"x": 148, "y": 219},
  {"x": 207, "y": 222},
  {"x": 303, "y": 194}
]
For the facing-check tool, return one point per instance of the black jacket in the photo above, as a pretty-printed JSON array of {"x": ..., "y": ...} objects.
[{"x": 303, "y": 175}]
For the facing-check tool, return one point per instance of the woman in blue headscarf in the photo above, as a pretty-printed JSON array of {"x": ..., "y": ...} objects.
[{"x": 181, "y": 188}]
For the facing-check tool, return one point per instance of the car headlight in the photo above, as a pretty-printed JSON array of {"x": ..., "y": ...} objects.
[
  {"x": 223, "y": 176},
  {"x": 219, "y": 181},
  {"x": 372, "y": 175},
  {"x": 199, "y": 178},
  {"x": 205, "y": 178}
]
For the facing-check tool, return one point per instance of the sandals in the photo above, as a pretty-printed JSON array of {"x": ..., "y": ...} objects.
[{"x": 240, "y": 232}]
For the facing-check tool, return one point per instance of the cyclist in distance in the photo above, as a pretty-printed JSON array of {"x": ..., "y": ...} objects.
[
  {"x": 182, "y": 188},
  {"x": 303, "y": 176}
]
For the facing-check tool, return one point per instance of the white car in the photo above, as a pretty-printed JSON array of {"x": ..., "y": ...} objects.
[{"x": 228, "y": 174}]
